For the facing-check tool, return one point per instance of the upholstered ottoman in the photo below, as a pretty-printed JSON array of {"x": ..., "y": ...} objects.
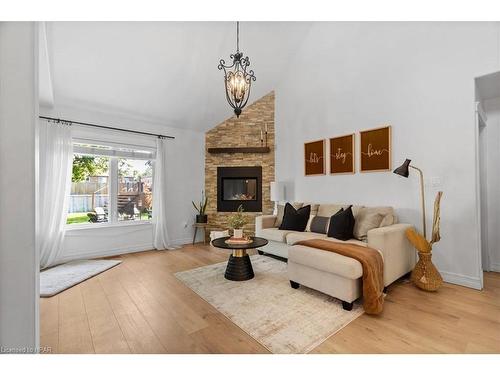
[{"x": 325, "y": 271}]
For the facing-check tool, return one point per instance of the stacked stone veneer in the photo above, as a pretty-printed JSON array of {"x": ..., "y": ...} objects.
[{"x": 241, "y": 132}]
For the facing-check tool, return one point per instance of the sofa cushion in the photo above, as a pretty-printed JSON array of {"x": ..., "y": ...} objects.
[
  {"x": 352, "y": 240},
  {"x": 275, "y": 234},
  {"x": 293, "y": 237},
  {"x": 326, "y": 261},
  {"x": 281, "y": 212},
  {"x": 314, "y": 207},
  {"x": 295, "y": 219},
  {"x": 329, "y": 209}
]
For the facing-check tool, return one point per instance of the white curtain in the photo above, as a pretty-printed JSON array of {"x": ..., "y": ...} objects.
[
  {"x": 161, "y": 239},
  {"x": 55, "y": 164}
]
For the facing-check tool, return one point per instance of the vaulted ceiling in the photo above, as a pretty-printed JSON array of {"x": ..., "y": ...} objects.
[{"x": 162, "y": 71}]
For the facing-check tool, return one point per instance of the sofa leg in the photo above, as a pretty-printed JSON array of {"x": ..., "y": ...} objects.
[
  {"x": 347, "y": 305},
  {"x": 260, "y": 252},
  {"x": 294, "y": 285}
]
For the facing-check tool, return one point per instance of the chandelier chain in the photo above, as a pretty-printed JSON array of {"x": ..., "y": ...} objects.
[{"x": 237, "y": 36}]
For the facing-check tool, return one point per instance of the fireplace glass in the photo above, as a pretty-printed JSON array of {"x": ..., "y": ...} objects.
[{"x": 239, "y": 189}]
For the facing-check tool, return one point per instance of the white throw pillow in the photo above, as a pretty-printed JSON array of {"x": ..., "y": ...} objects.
[{"x": 308, "y": 226}]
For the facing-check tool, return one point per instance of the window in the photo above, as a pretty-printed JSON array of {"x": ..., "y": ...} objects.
[
  {"x": 135, "y": 193},
  {"x": 110, "y": 184},
  {"x": 89, "y": 196}
]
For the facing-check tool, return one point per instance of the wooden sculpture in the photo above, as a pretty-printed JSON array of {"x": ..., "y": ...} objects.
[{"x": 425, "y": 275}]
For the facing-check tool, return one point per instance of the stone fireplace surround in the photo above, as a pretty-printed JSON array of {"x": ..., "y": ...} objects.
[{"x": 241, "y": 132}]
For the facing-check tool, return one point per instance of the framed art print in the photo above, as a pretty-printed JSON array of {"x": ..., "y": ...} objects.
[
  {"x": 375, "y": 149},
  {"x": 342, "y": 154},
  {"x": 314, "y": 158}
]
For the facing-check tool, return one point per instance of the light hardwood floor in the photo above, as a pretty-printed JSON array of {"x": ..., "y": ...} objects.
[{"x": 140, "y": 307}]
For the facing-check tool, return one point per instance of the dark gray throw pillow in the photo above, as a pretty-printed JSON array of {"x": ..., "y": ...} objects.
[
  {"x": 319, "y": 224},
  {"x": 342, "y": 225},
  {"x": 295, "y": 219}
]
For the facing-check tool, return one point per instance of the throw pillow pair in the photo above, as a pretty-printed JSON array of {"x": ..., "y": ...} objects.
[{"x": 341, "y": 224}]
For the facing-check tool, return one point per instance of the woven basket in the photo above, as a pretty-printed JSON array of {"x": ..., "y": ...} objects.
[{"x": 425, "y": 275}]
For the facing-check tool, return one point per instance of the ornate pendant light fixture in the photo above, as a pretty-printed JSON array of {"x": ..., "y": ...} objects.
[{"x": 237, "y": 80}]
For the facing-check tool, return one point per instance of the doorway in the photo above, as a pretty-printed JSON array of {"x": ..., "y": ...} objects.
[{"x": 488, "y": 168}]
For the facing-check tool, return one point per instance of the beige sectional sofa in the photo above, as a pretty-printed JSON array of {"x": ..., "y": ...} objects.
[{"x": 331, "y": 273}]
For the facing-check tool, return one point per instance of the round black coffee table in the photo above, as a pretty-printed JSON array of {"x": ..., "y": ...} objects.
[{"x": 239, "y": 266}]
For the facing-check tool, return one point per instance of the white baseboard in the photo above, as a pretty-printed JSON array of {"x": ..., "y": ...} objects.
[
  {"x": 119, "y": 251},
  {"x": 495, "y": 267},
  {"x": 463, "y": 280},
  {"x": 182, "y": 241},
  {"x": 107, "y": 253}
]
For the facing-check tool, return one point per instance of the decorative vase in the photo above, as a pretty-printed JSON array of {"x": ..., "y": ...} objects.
[
  {"x": 425, "y": 275},
  {"x": 238, "y": 233},
  {"x": 201, "y": 219}
]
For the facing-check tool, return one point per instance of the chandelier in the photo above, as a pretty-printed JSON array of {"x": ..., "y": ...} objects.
[{"x": 237, "y": 80}]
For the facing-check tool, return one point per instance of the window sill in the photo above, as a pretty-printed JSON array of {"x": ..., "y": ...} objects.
[{"x": 77, "y": 227}]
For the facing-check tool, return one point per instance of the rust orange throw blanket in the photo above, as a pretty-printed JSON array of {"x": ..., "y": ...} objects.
[{"x": 373, "y": 269}]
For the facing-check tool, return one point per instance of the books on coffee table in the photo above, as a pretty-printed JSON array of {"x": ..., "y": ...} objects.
[{"x": 238, "y": 241}]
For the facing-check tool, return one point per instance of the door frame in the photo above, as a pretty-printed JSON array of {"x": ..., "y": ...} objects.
[{"x": 478, "y": 113}]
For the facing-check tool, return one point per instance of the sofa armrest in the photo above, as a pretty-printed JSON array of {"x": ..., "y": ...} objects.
[
  {"x": 398, "y": 253},
  {"x": 263, "y": 222}
]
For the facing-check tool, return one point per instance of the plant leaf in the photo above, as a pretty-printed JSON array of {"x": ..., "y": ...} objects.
[{"x": 194, "y": 205}]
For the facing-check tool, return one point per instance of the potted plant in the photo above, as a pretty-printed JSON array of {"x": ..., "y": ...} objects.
[
  {"x": 201, "y": 208},
  {"x": 237, "y": 221}
]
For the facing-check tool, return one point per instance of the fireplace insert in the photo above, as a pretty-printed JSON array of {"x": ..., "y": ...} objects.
[{"x": 239, "y": 185}]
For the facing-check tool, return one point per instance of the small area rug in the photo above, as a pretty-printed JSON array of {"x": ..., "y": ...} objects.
[
  {"x": 56, "y": 279},
  {"x": 282, "y": 319}
]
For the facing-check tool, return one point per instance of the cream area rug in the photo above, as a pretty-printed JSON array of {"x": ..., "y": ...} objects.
[
  {"x": 282, "y": 319},
  {"x": 56, "y": 279}
]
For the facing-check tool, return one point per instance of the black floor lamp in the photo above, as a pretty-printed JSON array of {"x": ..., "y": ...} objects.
[
  {"x": 425, "y": 275},
  {"x": 403, "y": 170}
]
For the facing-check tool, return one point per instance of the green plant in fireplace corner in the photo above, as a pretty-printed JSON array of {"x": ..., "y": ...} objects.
[{"x": 201, "y": 207}]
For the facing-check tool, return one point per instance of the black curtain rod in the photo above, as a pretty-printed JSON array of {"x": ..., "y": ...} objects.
[{"x": 105, "y": 127}]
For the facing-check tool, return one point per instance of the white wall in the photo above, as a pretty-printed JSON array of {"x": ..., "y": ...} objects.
[
  {"x": 417, "y": 77},
  {"x": 185, "y": 176},
  {"x": 492, "y": 109},
  {"x": 18, "y": 256}
]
